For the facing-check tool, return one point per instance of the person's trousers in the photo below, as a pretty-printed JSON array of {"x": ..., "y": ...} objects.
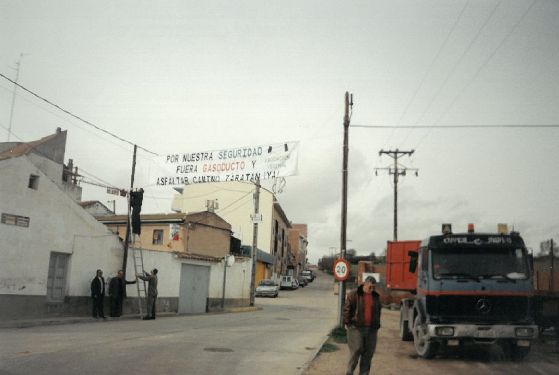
[
  {"x": 116, "y": 306},
  {"x": 151, "y": 306},
  {"x": 362, "y": 342},
  {"x": 98, "y": 308}
]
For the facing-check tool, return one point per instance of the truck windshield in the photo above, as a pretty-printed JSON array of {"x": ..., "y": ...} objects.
[{"x": 507, "y": 263}]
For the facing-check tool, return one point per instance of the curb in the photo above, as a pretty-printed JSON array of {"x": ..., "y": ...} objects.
[
  {"x": 75, "y": 320},
  {"x": 314, "y": 354}
]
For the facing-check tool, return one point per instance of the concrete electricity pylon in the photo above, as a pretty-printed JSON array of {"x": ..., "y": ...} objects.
[{"x": 397, "y": 170}]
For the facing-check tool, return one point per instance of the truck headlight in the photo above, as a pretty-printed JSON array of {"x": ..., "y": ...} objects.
[
  {"x": 524, "y": 332},
  {"x": 444, "y": 331}
]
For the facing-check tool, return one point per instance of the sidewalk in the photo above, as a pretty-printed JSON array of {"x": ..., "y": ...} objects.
[{"x": 60, "y": 320}]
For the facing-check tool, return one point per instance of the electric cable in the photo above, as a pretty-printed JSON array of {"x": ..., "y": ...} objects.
[{"x": 75, "y": 116}]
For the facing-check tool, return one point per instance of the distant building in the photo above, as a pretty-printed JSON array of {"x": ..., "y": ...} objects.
[
  {"x": 199, "y": 233},
  {"x": 298, "y": 247},
  {"x": 235, "y": 204}
]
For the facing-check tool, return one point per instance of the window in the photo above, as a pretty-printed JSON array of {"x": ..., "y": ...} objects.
[
  {"x": 33, "y": 182},
  {"x": 56, "y": 282},
  {"x": 158, "y": 237}
]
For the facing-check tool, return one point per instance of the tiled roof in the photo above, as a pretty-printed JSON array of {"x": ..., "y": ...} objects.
[{"x": 25, "y": 148}]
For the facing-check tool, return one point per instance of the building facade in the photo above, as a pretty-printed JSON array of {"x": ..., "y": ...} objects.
[
  {"x": 50, "y": 246},
  {"x": 199, "y": 233},
  {"x": 235, "y": 204},
  {"x": 298, "y": 246}
]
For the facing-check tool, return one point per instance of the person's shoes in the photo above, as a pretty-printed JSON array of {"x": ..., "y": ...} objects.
[{"x": 146, "y": 318}]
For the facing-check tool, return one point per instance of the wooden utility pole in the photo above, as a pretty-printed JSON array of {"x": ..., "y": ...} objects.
[
  {"x": 127, "y": 239},
  {"x": 343, "y": 238},
  {"x": 254, "y": 240},
  {"x": 552, "y": 268},
  {"x": 396, "y": 171}
]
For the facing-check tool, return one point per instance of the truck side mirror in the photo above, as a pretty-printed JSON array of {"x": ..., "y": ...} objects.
[{"x": 413, "y": 261}]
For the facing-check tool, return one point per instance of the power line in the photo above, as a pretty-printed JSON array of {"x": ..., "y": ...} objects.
[
  {"x": 451, "y": 71},
  {"x": 432, "y": 64},
  {"x": 484, "y": 64},
  {"x": 465, "y": 126},
  {"x": 75, "y": 116}
]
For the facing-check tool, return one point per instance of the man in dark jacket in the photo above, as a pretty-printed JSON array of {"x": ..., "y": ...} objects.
[
  {"x": 98, "y": 294},
  {"x": 117, "y": 293},
  {"x": 362, "y": 320},
  {"x": 151, "y": 278}
]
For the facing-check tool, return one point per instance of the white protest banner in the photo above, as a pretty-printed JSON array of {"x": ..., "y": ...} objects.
[{"x": 232, "y": 164}]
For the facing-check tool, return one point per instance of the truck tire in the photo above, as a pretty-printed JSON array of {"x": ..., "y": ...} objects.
[
  {"x": 405, "y": 333},
  {"x": 424, "y": 348},
  {"x": 518, "y": 353}
]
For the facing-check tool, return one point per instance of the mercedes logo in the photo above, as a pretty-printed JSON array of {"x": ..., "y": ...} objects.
[{"x": 483, "y": 306}]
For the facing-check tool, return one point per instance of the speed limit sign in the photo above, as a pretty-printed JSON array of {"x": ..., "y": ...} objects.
[{"x": 341, "y": 269}]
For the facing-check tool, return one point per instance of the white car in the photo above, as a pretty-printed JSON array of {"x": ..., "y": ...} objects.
[
  {"x": 288, "y": 282},
  {"x": 267, "y": 288}
]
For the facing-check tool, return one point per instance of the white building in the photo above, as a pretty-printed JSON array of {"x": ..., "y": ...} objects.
[
  {"x": 51, "y": 247},
  {"x": 236, "y": 205}
]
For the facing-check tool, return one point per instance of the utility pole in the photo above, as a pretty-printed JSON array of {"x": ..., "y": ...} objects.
[
  {"x": 552, "y": 268},
  {"x": 347, "y": 116},
  {"x": 396, "y": 171},
  {"x": 255, "y": 220},
  {"x": 18, "y": 64},
  {"x": 127, "y": 239}
]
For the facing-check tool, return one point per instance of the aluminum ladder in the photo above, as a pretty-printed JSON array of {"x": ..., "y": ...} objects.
[{"x": 138, "y": 256}]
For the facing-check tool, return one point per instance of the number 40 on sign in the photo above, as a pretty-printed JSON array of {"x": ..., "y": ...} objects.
[{"x": 341, "y": 269}]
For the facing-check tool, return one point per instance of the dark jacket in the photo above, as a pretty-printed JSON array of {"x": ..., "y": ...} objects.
[
  {"x": 97, "y": 290},
  {"x": 117, "y": 287},
  {"x": 353, "y": 309}
]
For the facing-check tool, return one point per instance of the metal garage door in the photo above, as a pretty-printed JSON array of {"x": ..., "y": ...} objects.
[{"x": 193, "y": 295}]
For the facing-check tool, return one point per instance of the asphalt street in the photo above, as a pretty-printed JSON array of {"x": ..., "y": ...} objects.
[{"x": 281, "y": 338}]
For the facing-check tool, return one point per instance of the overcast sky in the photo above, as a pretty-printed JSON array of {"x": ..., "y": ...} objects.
[{"x": 186, "y": 76}]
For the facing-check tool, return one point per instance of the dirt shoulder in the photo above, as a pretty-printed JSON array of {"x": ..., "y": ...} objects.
[{"x": 394, "y": 356}]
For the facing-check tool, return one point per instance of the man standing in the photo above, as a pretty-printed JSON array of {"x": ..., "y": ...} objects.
[
  {"x": 362, "y": 320},
  {"x": 152, "y": 292},
  {"x": 98, "y": 294},
  {"x": 117, "y": 293}
]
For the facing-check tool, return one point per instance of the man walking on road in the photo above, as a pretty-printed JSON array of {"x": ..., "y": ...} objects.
[
  {"x": 152, "y": 292},
  {"x": 362, "y": 320},
  {"x": 98, "y": 294}
]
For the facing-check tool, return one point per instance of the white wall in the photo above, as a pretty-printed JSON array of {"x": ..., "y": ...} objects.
[
  {"x": 57, "y": 224},
  {"x": 237, "y": 279}
]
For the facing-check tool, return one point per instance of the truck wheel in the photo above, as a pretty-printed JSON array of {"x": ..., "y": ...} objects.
[
  {"x": 518, "y": 353},
  {"x": 405, "y": 333},
  {"x": 424, "y": 348}
]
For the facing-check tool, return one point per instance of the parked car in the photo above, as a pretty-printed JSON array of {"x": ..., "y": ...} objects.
[
  {"x": 308, "y": 274},
  {"x": 302, "y": 281},
  {"x": 288, "y": 282},
  {"x": 267, "y": 288}
]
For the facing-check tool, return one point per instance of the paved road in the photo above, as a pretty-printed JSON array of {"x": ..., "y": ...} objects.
[{"x": 280, "y": 339}]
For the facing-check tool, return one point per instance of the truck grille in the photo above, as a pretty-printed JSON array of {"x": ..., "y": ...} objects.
[{"x": 480, "y": 309}]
